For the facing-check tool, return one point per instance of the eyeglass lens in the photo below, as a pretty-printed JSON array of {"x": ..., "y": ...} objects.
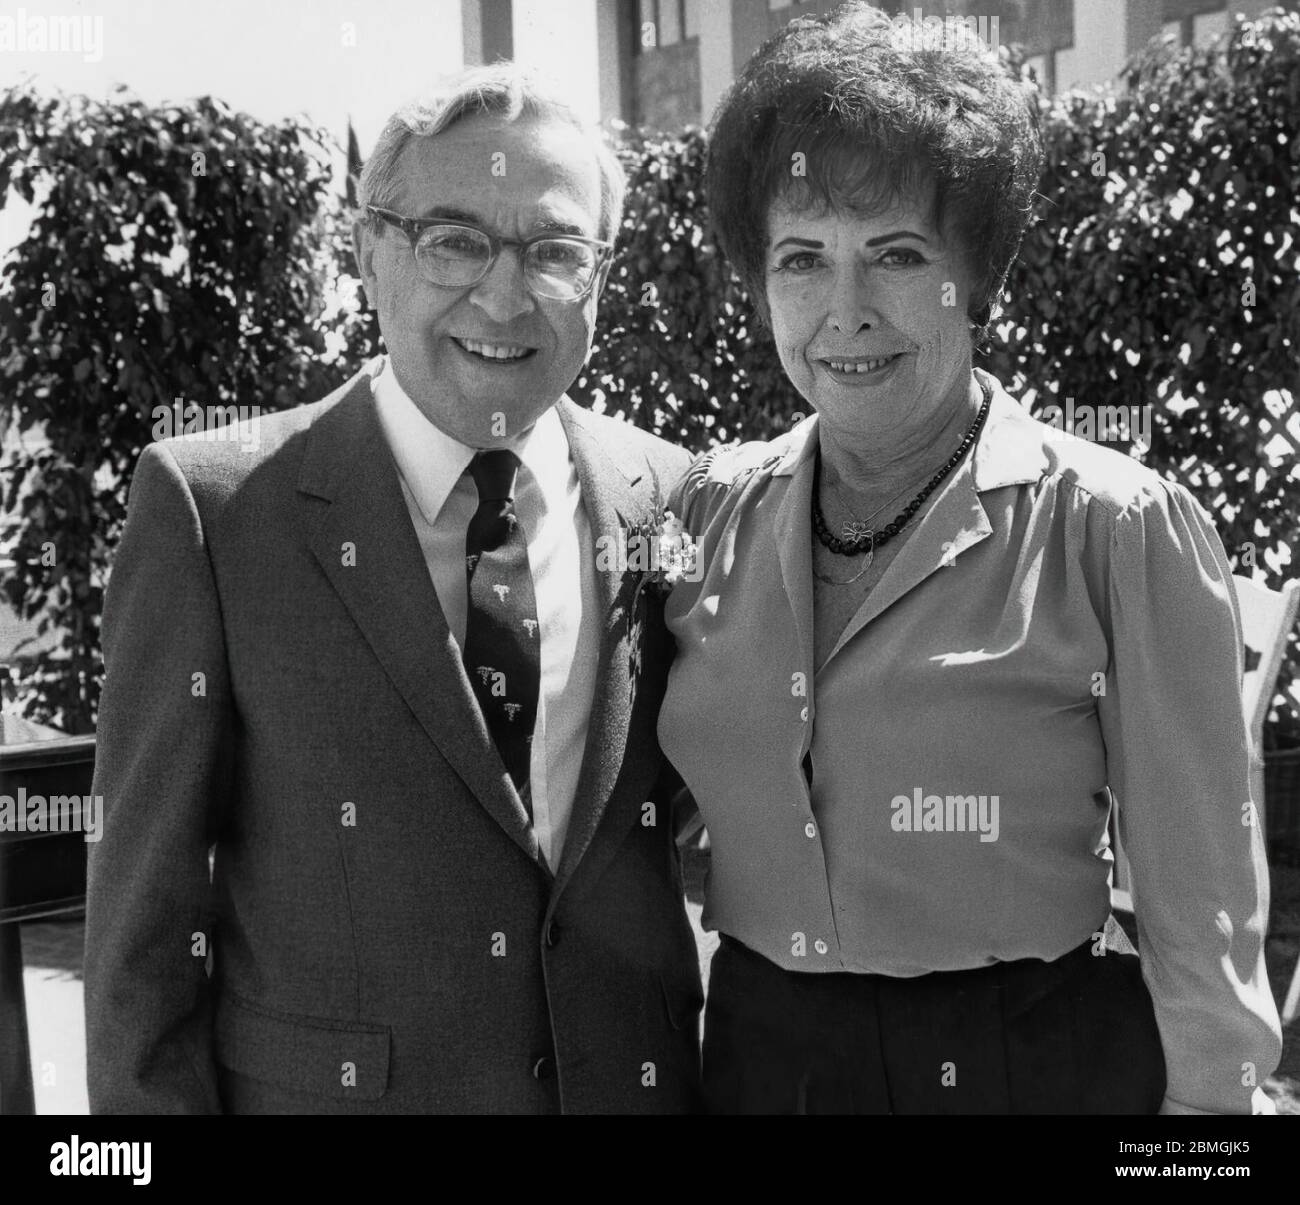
[{"x": 554, "y": 267}]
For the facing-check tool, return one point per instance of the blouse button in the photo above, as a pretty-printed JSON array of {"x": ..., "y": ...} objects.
[
  {"x": 819, "y": 946},
  {"x": 810, "y": 830}
]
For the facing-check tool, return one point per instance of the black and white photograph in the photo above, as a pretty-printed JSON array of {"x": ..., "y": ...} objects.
[{"x": 651, "y": 557}]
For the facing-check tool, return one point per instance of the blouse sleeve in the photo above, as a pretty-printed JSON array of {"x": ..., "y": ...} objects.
[
  {"x": 1177, "y": 754},
  {"x": 687, "y": 497}
]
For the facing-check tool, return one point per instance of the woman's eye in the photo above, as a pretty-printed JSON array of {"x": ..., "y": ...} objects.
[
  {"x": 800, "y": 261},
  {"x": 904, "y": 256}
]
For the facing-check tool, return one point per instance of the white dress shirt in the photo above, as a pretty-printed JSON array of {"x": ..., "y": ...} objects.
[{"x": 442, "y": 498}]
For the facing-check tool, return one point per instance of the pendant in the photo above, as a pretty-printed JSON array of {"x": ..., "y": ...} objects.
[
  {"x": 855, "y": 530},
  {"x": 848, "y": 581}
]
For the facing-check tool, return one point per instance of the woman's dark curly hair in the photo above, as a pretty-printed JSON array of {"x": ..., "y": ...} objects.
[{"x": 879, "y": 109}]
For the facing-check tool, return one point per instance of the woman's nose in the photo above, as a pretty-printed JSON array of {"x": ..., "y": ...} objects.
[{"x": 852, "y": 303}]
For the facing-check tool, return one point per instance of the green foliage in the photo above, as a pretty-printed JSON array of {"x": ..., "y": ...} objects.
[
  {"x": 174, "y": 253},
  {"x": 679, "y": 349},
  {"x": 1128, "y": 290},
  {"x": 1164, "y": 272},
  {"x": 233, "y": 288}
]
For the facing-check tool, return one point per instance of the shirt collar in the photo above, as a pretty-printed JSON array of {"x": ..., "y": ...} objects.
[
  {"x": 432, "y": 462},
  {"x": 1009, "y": 450}
]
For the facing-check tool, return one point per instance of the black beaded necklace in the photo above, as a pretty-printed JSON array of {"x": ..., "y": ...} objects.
[{"x": 873, "y": 541}]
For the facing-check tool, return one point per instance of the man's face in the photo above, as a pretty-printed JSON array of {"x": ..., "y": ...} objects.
[{"x": 513, "y": 180}]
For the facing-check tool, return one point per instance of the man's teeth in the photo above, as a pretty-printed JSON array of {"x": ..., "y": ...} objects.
[
  {"x": 494, "y": 351},
  {"x": 860, "y": 365}
]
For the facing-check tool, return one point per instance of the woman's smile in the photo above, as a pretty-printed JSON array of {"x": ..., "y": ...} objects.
[{"x": 860, "y": 371}]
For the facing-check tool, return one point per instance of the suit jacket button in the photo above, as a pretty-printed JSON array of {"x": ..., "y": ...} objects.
[
  {"x": 552, "y": 935},
  {"x": 543, "y": 1067}
]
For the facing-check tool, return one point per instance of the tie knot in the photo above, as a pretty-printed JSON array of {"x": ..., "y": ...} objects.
[{"x": 494, "y": 474}]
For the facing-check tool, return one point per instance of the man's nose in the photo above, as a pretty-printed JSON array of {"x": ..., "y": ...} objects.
[{"x": 502, "y": 294}]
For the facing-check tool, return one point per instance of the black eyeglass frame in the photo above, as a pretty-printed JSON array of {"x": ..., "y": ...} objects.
[{"x": 413, "y": 228}]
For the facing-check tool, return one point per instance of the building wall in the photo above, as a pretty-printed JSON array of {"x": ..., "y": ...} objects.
[
  {"x": 666, "y": 86},
  {"x": 613, "y": 58},
  {"x": 487, "y": 31},
  {"x": 1069, "y": 43},
  {"x": 1040, "y": 25}
]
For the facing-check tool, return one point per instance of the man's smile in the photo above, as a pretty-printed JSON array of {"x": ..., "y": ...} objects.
[{"x": 499, "y": 353}]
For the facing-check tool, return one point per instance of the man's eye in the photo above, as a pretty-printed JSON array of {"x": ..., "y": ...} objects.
[
  {"x": 456, "y": 243},
  {"x": 561, "y": 255}
]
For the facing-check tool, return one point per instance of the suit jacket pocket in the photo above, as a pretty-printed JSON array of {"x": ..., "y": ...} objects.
[{"x": 345, "y": 1060}]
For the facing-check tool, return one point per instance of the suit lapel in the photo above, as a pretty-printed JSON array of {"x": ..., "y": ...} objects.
[
  {"x": 389, "y": 594},
  {"x": 607, "y": 476}
]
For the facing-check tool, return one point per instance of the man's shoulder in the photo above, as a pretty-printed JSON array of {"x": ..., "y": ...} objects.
[
  {"x": 229, "y": 451},
  {"x": 635, "y": 444}
]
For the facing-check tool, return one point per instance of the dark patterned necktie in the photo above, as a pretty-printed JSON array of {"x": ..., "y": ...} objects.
[{"x": 501, "y": 637}]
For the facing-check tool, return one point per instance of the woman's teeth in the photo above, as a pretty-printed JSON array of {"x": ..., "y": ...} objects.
[
  {"x": 860, "y": 365},
  {"x": 494, "y": 351}
]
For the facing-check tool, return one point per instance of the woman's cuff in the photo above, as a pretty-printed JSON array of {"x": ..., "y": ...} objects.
[{"x": 1261, "y": 1104}]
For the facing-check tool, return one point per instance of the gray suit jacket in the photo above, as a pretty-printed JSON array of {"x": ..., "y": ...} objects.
[{"x": 377, "y": 933}]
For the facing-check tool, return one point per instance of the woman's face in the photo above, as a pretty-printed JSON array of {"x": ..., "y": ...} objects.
[{"x": 869, "y": 315}]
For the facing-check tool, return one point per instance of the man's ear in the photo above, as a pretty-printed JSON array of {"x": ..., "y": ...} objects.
[{"x": 363, "y": 251}]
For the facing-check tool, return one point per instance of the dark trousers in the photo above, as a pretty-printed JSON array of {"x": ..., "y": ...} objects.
[{"x": 1077, "y": 1035}]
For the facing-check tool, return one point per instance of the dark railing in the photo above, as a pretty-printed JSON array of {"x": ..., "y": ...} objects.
[{"x": 42, "y": 873}]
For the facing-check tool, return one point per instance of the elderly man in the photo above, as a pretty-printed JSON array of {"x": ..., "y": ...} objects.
[{"x": 378, "y": 667}]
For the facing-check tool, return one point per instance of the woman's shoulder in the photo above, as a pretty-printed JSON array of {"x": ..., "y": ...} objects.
[
  {"x": 1026, "y": 448},
  {"x": 1100, "y": 483},
  {"x": 727, "y": 469},
  {"x": 1121, "y": 485}
]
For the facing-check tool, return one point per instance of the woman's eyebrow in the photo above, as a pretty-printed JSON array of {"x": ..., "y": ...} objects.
[
  {"x": 871, "y": 242},
  {"x": 884, "y": 238}
]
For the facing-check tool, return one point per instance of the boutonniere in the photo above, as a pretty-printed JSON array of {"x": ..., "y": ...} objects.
[
  {"x": 655, "y": 552},
  {"x": 659, "y": 549}
]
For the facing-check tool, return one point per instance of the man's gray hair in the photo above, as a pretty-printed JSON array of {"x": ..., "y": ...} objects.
[{"x": 502, "y": 90}]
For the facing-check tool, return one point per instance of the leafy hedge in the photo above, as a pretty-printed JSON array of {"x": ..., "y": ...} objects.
[
  {"x": 177, "y": 253},
  {"x": 1162, "y": 271},
  {"x": 1167, "y": 272}
]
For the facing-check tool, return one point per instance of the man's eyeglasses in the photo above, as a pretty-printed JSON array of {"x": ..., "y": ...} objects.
[{"x": 560, "y": 267}]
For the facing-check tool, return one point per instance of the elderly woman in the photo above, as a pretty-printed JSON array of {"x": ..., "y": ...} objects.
[{"x": 931, "y": 638}]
